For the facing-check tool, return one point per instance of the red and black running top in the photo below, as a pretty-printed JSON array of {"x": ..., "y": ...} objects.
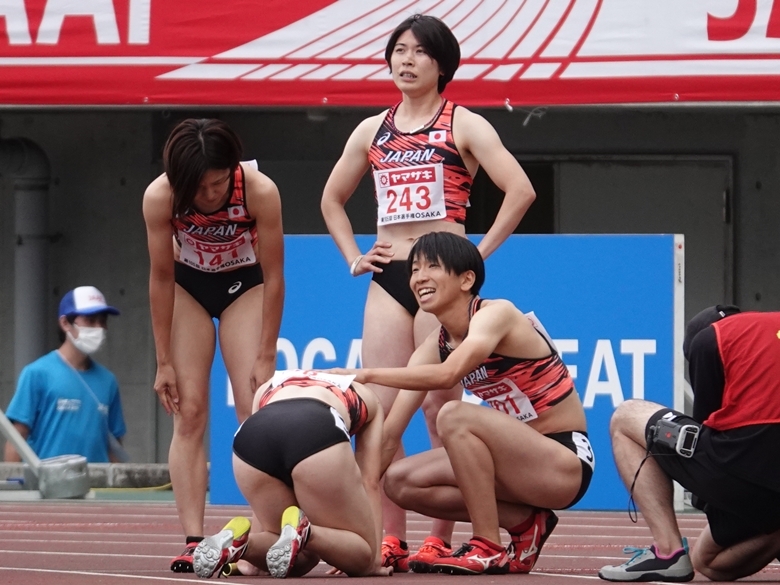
[
  {"x": 521, "y": 387},
  {"x": 431, "y": 145},
  {"x": 355, "y": 405},
  {"x": 222, "y": 240}
]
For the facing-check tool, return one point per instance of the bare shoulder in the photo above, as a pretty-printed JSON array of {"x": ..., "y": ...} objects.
[
  {"x": 499, "y": 306},
  {"x": 373, "y": 122},
  {"x": 159, "y": 189},
  {"x": 158, "y": 200},
  {"x": 365, "y": 131},
  {"x": 469, "y": 125},
  {"x": 499, "y": 311},
  {"x": 258, "y": 184},
  {"x": 463, "y": 117}
]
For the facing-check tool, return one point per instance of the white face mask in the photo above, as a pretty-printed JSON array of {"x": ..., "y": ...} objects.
[{"x": 90, "y": 339}]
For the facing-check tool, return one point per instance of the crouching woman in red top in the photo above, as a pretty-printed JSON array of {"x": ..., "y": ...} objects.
[
  {"x": 294, "y": 454},
  {"x": 507, "y": 466}
]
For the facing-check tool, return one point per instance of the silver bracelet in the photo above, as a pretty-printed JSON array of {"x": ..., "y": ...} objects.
[{"x": 354, "y": 265}]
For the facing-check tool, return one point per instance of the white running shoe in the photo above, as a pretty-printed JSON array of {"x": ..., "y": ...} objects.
[
  {"x": 225, "y": 547},
  {"x": 295, "y": 533},
  {"x": 646, "y": 565}
]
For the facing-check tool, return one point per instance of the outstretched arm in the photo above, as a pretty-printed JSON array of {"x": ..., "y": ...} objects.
[
  {"x": 404, "y": 406},
  {"x": 487, "y": 329}
]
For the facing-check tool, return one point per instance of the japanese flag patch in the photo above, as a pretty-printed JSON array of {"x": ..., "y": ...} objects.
[
  {"x": 236, "y": 212},
  {"x": 437, "y": 136}
]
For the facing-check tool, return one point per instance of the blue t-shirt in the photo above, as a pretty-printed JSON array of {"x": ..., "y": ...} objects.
[{"x": 63, "y": 416}]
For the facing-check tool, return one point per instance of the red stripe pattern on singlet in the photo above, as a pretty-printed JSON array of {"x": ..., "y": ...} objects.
[
  {"x": 222, "y": 240},
  {"x": 356, "y": 407},
  {"x": 545, "y": 381},
  {"x": 393, "y": 149}
]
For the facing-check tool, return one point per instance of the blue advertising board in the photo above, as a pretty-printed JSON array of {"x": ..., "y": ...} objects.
[{"x": 608, "y": 301}]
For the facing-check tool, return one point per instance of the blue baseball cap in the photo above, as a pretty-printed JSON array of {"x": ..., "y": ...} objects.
[{"x": 85, "y": 300}]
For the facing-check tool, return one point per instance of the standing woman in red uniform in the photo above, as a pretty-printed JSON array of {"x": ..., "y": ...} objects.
[
  {"x": 423, "y": 154},
  {"x": 214, "y": 230}
]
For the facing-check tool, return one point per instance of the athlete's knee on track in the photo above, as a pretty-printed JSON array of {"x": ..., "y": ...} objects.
[
  {"x": 713, "y": 574},
  {"x": 707, "y": 560},
  {"x": 361, "y": 560}
]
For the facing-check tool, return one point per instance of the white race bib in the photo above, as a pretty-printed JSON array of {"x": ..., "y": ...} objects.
[
  {"x": 506, "y": 397},
  {"x": 216, "y": 257},
  {"x": 410, "y": 194},
  {"x": 338, "y": 380}
]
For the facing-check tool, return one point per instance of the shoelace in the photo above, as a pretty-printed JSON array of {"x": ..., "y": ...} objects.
[
  {"x": 388, "y": 551},
  {"x": 464, "y": 549},
  {"x": 632, "y": 550},
  {"x": 432, "y": 548}
]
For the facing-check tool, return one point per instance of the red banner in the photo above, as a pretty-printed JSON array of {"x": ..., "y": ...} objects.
[{"x": 326, "y": 52}]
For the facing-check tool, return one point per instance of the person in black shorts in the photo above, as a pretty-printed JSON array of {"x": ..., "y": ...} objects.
[
  {"x": 294, "y": 454},
  {"x": 727, "y": 458},
  {"x": 216, "y": 251},
  {"x": 423, "y": 154},
  {"x": 506, "y": 465}
]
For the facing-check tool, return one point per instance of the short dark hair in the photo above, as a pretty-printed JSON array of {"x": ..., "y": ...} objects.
[
  {"x": 437, "y": 40},
  {"x": 455, "y": 253},
  {"x": 60, "y": 333},
  {"x": 194, "y": 147}
]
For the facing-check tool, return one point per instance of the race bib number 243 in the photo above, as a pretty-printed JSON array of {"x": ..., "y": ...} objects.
[{"x": 410, "y": 194}]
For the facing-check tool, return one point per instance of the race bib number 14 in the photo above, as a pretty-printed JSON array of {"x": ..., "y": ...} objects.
[
  {"x": 215, "y": 257},
  {"x": 410, "y": 194}
]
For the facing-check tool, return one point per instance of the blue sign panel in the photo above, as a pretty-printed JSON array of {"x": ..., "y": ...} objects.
[{"x": 606, "y": 300}]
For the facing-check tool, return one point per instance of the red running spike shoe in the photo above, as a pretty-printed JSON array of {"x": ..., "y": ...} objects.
[
  {"x": 183, "y": 563},
  {"x": 527, "y": 546},
  {"x": 475, "y": 557},
  {"x": 432, "y": 548},
  {"x": 394, "y": 554}
]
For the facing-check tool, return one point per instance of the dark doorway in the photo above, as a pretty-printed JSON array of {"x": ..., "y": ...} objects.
[{"x": 486, "y": 199}]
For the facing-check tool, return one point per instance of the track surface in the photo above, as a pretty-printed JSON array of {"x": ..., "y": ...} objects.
[{"x": 113, "y": 543}]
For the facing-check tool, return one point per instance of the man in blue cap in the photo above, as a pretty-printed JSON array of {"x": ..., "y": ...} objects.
[{"x": 65, "y": 402}]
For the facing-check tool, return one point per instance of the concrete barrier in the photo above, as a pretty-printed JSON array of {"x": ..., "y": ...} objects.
[{"x": 106, "y": 475}]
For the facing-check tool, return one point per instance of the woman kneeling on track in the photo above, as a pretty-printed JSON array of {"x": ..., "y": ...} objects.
[
  {"x": 294, "y": 454},
  {"x": 508, "y": 466}
]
